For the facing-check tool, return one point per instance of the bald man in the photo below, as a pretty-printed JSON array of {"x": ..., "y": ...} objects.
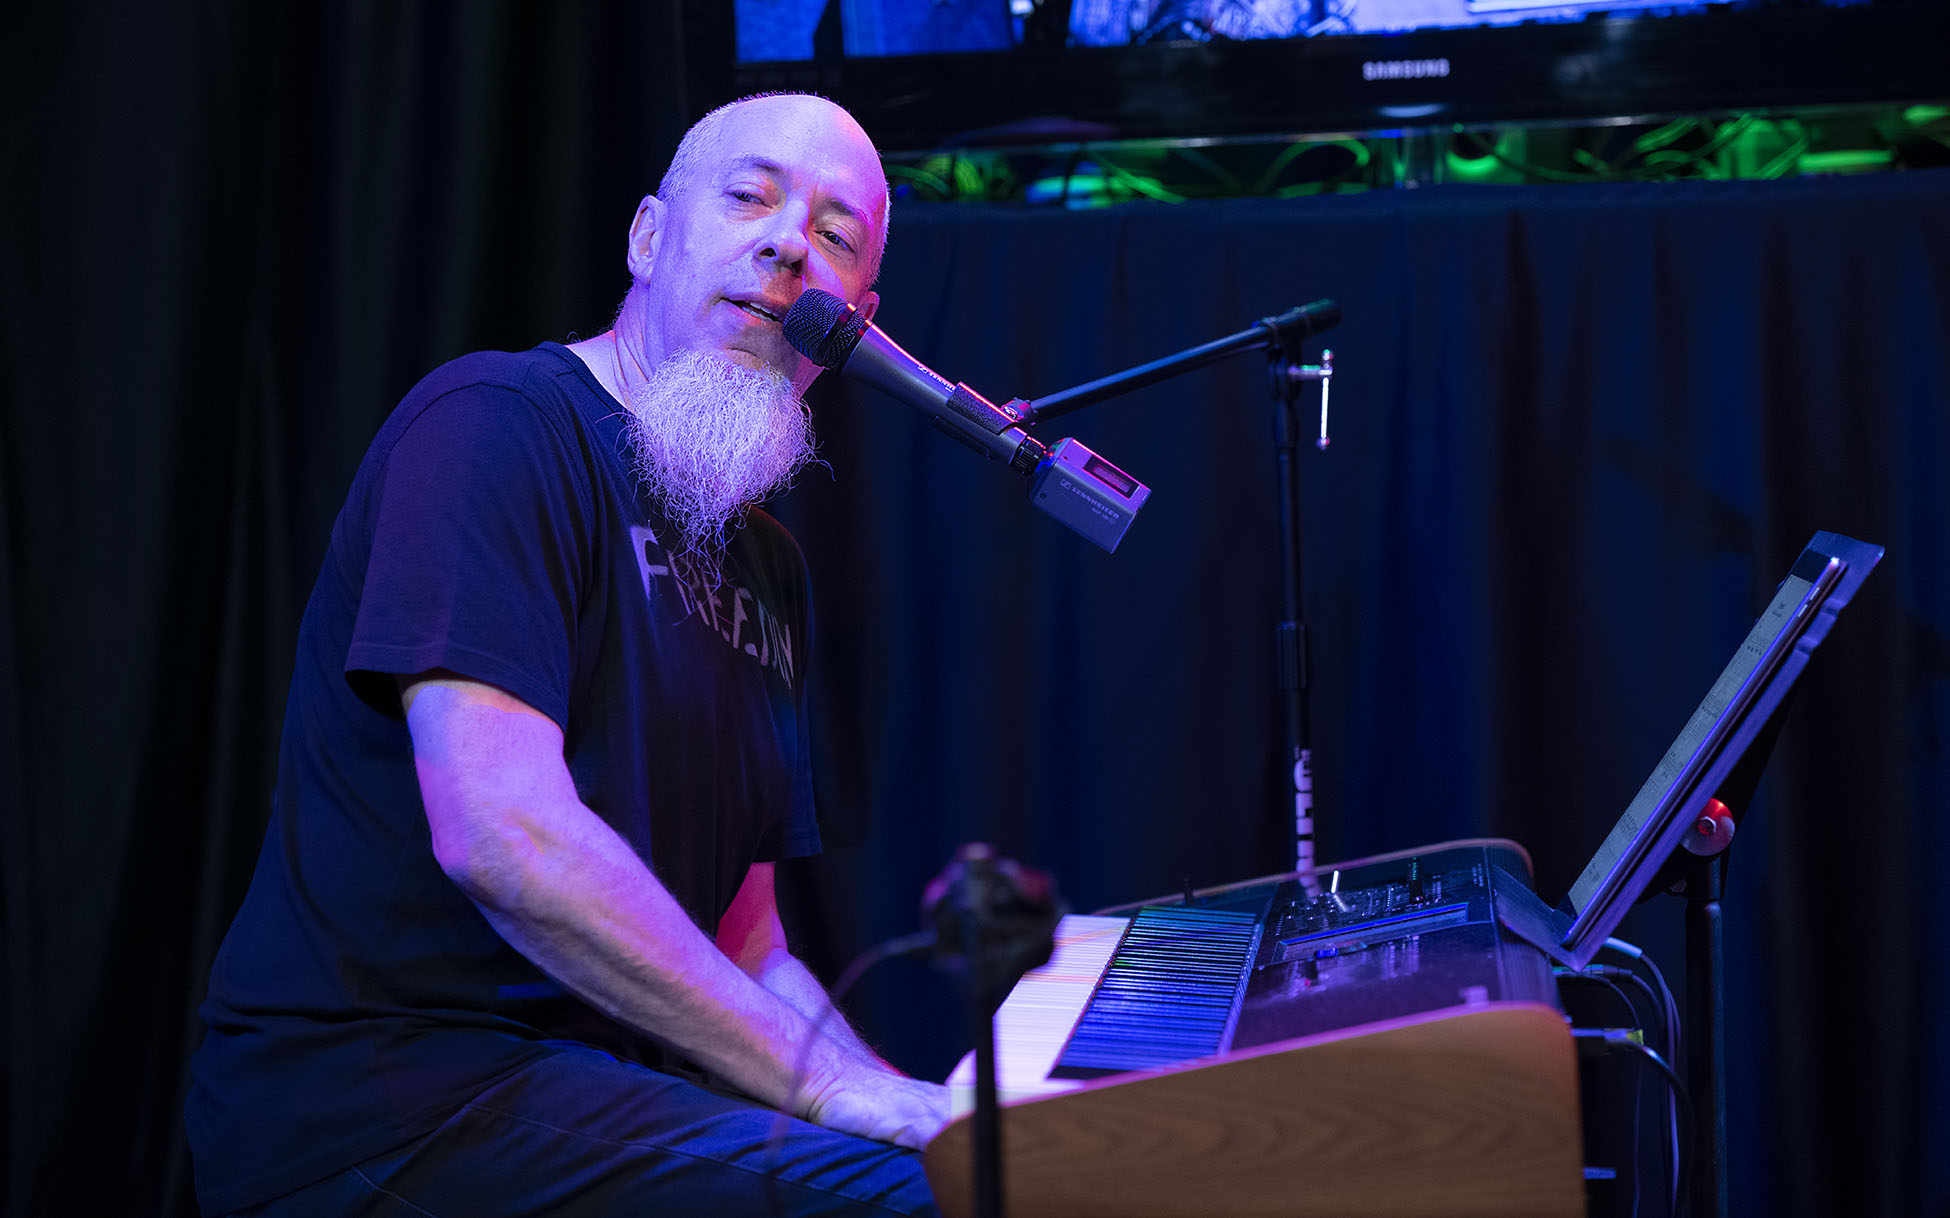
[{"x": 511, "y": 945}]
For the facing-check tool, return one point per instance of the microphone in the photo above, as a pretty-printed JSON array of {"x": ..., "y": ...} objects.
[
  {"x": 831, "y": 333},
  {"x": 1073, "y": 484}
]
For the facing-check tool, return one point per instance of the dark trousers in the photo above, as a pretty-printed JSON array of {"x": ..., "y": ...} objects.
[{"x": 582, "y": 1134}]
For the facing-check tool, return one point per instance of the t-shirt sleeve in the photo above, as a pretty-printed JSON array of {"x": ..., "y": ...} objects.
[
  {"x": 477, "y": 520},
  {"x": 797, "y": 835},
  {"x": 800, "y": 834}
]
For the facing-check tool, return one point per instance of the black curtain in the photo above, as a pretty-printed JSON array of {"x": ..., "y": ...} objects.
[
  {"x": 1578, "y": 433},
  {"x": 235, "y": 234},
  {"x": 1577, "y": 436}
]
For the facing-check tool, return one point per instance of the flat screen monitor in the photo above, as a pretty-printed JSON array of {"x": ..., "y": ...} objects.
[{"x": 958, "y": 72}]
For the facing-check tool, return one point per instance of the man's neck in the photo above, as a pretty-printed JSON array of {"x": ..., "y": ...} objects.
[{"x": 604, "y": 359}]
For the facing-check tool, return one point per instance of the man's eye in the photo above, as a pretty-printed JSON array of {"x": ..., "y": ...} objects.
[
  {"x": 838, "y": 239},
  {"x": 744, "y": 196}
]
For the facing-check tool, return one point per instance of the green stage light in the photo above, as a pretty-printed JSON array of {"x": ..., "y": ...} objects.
[{"x": 1849, "y": 160}]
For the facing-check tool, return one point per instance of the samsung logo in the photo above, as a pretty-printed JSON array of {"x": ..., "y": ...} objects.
[{"x": 1403, "y": 69}]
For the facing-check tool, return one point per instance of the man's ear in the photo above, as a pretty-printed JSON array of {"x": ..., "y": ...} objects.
[
  {"x": 868, "y": 304},
  {"x": 646, "y": 233}
]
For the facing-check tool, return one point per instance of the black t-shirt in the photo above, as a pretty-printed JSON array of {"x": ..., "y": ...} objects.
[{"x": 494, "y": 529}]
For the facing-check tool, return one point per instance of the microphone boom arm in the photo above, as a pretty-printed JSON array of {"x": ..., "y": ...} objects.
[
  {"x": 1066, "y": 480},
  {"x": 1268, "y": 332}
]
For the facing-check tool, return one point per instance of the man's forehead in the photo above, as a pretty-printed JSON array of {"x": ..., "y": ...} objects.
[
  {"x": 802, "y": 135},
  {"x": 855, "y": 199}
]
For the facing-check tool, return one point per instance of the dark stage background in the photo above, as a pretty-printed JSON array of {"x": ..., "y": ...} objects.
[{"x": 1579, "y": 432}]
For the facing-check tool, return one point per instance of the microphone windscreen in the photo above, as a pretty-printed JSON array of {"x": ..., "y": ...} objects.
[{"x": 823, "y": 328}]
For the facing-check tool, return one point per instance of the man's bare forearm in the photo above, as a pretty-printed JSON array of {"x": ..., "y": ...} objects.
[
  {"x": 614, "y": 937},
  {"x": 565, "y": 890},
  {"x": 788, "y": 977},
  {"x": 592, "y": 915}
]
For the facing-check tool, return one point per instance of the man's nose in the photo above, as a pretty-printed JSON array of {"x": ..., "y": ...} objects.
[{"x": 786, "y": 243}]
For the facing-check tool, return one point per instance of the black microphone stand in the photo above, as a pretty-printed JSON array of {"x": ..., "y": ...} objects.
[
  {"x": 994, "y": 919},
  {"x": 1293, "y": 656},
  {"x": 1280, "y": 338}
]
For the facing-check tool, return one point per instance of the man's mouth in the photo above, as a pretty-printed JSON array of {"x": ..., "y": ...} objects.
[{"x": 756, "y": 310}]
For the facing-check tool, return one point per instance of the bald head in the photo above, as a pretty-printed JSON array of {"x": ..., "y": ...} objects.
[
  {"x": 702, "y": 147},
  {"x": 766, "y": 198}
]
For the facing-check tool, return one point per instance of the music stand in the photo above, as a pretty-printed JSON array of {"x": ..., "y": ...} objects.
[{"x": 1699, "y": 788}]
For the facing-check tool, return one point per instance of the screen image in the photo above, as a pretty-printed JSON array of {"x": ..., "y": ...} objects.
[
  {"x": 775, "y": 31},
  {"x": 1129, "y": 22},
  {"x": 783, "y": 31}
]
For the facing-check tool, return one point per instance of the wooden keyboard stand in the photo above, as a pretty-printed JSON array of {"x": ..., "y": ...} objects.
[{"x": 1455, "y": 1113}]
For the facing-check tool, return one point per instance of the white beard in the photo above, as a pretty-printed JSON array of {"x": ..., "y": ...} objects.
[{"x": 711, "y": 438}]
